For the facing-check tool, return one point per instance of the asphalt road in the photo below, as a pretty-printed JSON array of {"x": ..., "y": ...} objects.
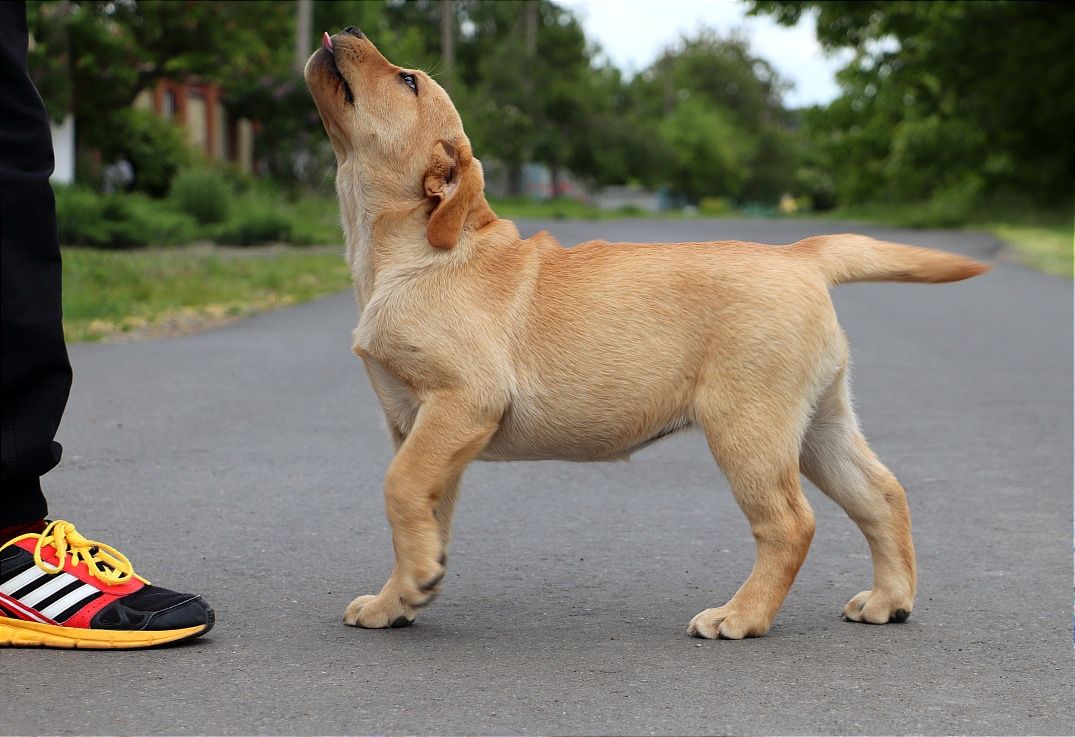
[{"x": 245, "y": 463}]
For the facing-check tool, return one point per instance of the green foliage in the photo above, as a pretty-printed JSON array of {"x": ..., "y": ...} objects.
[
  {"x": 257, "y": 223},
  {"x": 714, "y": 207},
  {"x": 79, "y": 218},
  {"x": 159, "y": 225},
  {"x": 721, "y": 129},
  {"x": 708, "y": 157},
  {"x": 315, "y": 220},
  {"x": 154, "y": 148},
  {"x": 204, "y": 194},
  {"x": 944, "y": 106},
  {"x": 85, "y": 218},
  {"x": 93, "y": 58},
  {"x": 954, "y": 101},
  {"x": 126, "y": 221}
]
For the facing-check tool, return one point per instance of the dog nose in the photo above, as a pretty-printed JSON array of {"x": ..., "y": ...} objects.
[{"x": 354, "y": 31}]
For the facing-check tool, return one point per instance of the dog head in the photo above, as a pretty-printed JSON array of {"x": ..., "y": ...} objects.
[{"x": 399, "y": 142}]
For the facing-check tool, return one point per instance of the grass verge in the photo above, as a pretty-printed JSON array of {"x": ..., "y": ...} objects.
[
  {"x": 1045, "y": 247},
  {"x": 108, "y": 294}
]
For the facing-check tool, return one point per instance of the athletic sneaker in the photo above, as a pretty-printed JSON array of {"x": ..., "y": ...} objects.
[{"x": 58, "y": 589}]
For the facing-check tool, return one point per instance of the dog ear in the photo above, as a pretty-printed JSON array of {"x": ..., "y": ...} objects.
[{"x": 452, "y": 183}]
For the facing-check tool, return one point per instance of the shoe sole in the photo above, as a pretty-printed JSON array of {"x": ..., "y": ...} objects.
[{"x": 17, "y": 633}]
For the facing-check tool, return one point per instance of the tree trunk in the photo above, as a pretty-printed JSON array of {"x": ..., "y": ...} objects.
[
  {"x": 669, "y": 84},
  {"x": 530, "y": 26},
  {"x": 515, "y": 180},
  {"x": 303, "y": 33},
  {"x": 447, "y": 42}
]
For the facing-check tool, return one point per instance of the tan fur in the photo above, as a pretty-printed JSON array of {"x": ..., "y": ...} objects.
[{"x": 483, "y": 345}]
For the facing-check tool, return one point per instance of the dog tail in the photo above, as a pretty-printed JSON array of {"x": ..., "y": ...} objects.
[{"x": 853, "y": 258}]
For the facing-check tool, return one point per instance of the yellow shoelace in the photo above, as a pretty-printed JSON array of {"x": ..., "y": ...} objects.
[{"x": 103, "y": 561}]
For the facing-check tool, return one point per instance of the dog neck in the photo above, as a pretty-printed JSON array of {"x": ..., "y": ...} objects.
[{"x": 384, "y": 242}]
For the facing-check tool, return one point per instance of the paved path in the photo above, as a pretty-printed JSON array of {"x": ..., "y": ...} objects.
[{"x": 246, "y": 463}]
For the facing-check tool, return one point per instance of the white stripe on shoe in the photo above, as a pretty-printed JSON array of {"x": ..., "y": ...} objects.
[
  {"x": 30, "y": 574},
  {"x": 47, "y": 589},
  {"x": 80, "y": 594}
]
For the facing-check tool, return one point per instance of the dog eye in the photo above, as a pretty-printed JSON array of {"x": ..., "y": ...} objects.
[{"x": 410, "y": 80}]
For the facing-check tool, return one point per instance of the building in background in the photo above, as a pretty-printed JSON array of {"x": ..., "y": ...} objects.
[
  {"x": 63, "y": 147},
  {"x": 198, "y": 108}
]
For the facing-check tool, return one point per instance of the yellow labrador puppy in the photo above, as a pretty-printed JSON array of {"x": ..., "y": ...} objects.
[{"x": 482, "y": 345}]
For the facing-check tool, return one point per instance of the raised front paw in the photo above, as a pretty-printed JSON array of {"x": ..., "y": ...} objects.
[
  {"x": 727, "y": 623},
  {"x": 377, "y": 612},
  {"x": 878, "y": 607}
]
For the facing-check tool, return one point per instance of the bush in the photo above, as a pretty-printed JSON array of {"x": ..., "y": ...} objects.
[
  {"x": 204, "y": 194},
  {"x": 126, "y": 227},
  {"x": 154, "y": 147},
  {"x": 160, "y": 224},
  {"x": 315, "y": 220},
  {"x": 79, "y": 218},
  {"x": 258, "y": 223},
  {"x": 817, "y": 184},
  {"x": 133, "y": 220},
  {"x": 715, "y": 206},
  {"x": 85, "y": 218}
]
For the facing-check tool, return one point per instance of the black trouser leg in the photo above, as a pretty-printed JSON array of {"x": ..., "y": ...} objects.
[{"x": 36, "y": 375}]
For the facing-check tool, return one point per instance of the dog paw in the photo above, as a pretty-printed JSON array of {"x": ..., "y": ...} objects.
[
  {"x": 377, "y": 612},
  {"x": 727, "y": 623},
  {"x": 877, "y": 607}
]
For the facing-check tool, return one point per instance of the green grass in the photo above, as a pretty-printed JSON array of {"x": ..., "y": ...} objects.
[
  {"x": 1045, "y": 247},
  {"x": 164, "y": 291}
]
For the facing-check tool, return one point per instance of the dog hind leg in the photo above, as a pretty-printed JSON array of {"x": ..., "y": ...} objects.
[{"x": 837, "y": 459}]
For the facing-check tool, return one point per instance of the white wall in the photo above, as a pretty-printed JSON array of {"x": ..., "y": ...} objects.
[{"x": 63, "y": 146}]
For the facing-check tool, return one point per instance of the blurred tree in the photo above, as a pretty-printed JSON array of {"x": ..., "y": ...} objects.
[
  {"x": 708, "y": 153},
  {"x": 93, "y": 55},
  {"x": 93, "y": 58},
  {"x": 719, "y": 114},
  {"x": 497, "y": 70},
  {"x": 953, "y": 100},
  {"x": 525, "y": 80}
]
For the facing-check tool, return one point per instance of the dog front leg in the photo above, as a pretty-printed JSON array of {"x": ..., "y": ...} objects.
[{"x": 420, "y": 490}]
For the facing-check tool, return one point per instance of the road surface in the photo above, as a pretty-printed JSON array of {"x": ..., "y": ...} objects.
[{"x": 245, "y": 463}]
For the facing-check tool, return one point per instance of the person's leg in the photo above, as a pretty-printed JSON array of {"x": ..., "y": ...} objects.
[
  {"x": 57, "y": 587},
  {"x": 36, "y": 375}
]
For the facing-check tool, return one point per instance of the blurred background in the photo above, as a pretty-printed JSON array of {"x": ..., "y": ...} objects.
[{"x": 179, "y": 122}]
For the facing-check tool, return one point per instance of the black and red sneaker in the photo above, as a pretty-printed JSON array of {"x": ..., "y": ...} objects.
[{"x": 59, "y": 589}]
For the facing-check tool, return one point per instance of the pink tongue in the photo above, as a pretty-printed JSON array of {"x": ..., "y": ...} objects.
[{"x": 326, "y": 41}]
